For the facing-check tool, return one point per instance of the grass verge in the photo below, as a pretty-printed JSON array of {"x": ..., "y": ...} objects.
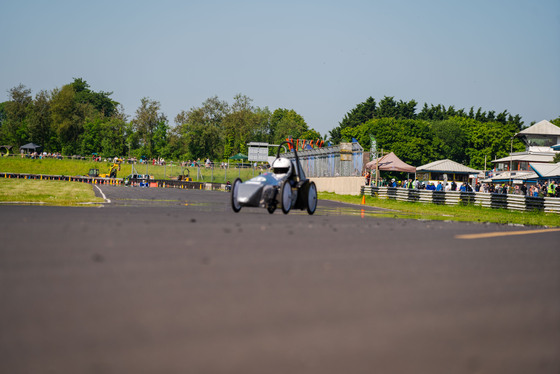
[
  {"x": 465, "y": 213},
  {"x": 44, "y": 192},
  {"x": 68, "y": 167}
]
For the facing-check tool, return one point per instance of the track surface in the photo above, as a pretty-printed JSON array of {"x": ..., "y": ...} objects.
[{"x": 172, "y": 281}]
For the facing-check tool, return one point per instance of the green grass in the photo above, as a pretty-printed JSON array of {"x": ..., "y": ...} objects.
[
  {"x": 67, "y": 167},
  {"x": 467, "y": 213},
  {"x": 59, "y": 193}
]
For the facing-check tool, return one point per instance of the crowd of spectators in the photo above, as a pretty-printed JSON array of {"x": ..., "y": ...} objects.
[
  {"x": 41, "y": 155},
  {"x": 541, "y": 189}
]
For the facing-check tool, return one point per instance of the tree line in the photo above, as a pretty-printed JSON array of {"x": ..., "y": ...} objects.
[
  {"x": 75, "y": 120},
  {"x": 472, "y": 138}
]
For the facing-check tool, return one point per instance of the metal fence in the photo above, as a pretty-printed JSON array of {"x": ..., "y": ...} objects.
[
  {"x": 487, "y": 200},
  {"x": 327, "y": 161}
]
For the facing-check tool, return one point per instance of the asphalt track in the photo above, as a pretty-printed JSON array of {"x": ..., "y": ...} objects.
[{"x": 172, "y": 281}]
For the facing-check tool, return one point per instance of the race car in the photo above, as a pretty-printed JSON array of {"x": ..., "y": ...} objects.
[{"x": 286, "y": 186}]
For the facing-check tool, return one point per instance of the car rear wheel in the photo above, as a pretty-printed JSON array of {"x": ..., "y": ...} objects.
[
  {"x": 286, "y": 197},
  {"x": 311, "y": 198},
  {"x": 235, "y": 205}
]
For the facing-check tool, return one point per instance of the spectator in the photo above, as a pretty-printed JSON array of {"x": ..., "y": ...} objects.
[{"x": 551, "y": 189}]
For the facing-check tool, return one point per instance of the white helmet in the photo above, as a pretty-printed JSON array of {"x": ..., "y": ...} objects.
[{"x": 282, "y": 166}]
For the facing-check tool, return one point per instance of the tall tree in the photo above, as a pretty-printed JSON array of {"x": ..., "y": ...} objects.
[
  {"x": 360, "y": 114},
  {"x": 387, "y": 108},
  {"x": 14, "y": 127},
  {"x": 406, "y": 110},
  {"x": 148, "y": 118},
  {"x": 286, "y": 123},
  {"x": 100, "y": 101},
  {"x": 453, "y": 139},
  {"x": 160, "y": 139},
  {"x": 263, "y": 128},
  {"x": 68, "y": 118},
  {"x": 92, "y": 137},
  {"x": 433, "y": 113},
  {"x": 200, "y": 131},
  {"x": 411, "y": 140},
  {"x": 2, "y": 114},
  {"x": 240, "y": 125},
  {"x": 40, "y": 121}
]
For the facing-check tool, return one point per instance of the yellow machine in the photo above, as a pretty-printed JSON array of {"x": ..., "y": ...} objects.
[{"x": 113, "y": 171}]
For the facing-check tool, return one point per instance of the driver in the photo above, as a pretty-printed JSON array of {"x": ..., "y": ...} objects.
[{"x": 282, "y": 166}]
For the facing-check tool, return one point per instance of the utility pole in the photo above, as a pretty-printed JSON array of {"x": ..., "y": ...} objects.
[{"x": 511, "y": 161}]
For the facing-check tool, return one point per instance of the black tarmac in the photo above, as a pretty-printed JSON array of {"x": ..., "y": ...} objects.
[{"x": 172, "y": 281}]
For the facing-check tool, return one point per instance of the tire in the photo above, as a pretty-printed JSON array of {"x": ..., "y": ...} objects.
[
  {"x": 311, "y": 198},
  {"x": 234, "y": 191},
  {"x": 286, "y": 195}
]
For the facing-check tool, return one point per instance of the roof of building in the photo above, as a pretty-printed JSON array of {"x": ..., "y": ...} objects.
[
  {"x": 543, "y": 127},
  {"x": 527, "y": 157},
  {"x": 447, "y": 166},
  {"x": 546, "y": 170},
  {"x": 515, "y": 176}
]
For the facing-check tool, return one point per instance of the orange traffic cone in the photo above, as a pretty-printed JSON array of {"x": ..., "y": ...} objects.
[{"x": 363, "y": 199}]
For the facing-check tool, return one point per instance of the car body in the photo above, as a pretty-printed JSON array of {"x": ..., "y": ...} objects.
[
  {"x": 141, "y": 180},
  {"x": 285, "y": 186}
]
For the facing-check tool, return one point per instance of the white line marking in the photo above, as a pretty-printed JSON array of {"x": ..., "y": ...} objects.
[{"x": 102, "y": 194}]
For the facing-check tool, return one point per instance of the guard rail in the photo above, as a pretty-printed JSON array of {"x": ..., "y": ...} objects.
[
  {"x": 487, "y": 200},
  {"x": 161, "y": 183}
]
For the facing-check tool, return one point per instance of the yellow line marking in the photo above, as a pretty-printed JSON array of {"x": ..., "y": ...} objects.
[{"x": 503, "y": 233}]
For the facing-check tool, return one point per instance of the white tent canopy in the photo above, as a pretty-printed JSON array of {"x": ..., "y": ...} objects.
[{"x": 447, "y": 166}]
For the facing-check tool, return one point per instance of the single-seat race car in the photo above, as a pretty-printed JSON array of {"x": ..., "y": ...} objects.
[{"x": 286, "y": 186}]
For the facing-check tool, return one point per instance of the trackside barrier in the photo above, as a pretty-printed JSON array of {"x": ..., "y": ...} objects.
[
  {"x": 160, "y": 183},
  {"x": 171, "y": 183},
  {"x": 487, "y": 200},
  {"x": 78, "y": 178}
]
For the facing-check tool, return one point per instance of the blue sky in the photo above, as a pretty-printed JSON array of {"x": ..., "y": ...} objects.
[{"x": 320, "y": 58}]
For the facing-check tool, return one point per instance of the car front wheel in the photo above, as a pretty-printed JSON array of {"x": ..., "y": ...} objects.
[
  {"x": 235, "y": 205},
  {"x": 286, "y": 197}
]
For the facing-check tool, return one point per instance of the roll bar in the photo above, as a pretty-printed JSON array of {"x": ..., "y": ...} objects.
[{"x": 298, "y": 165}]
